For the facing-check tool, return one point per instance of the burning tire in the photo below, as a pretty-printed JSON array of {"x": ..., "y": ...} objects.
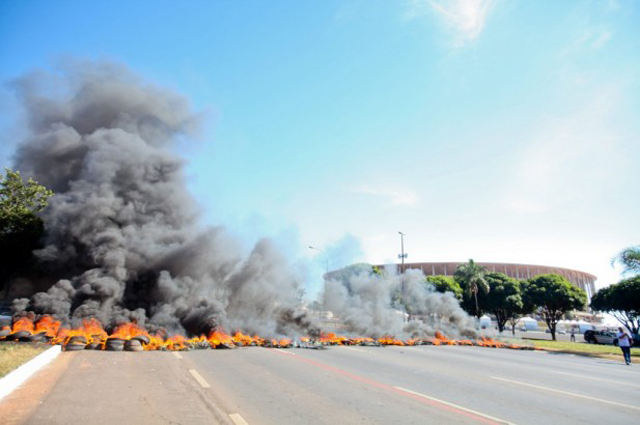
[
  {"x": 4, "y": 332},
  {"x": 17, "y": 335},
  {"x": 77, "y": 339},
  {"x": 73, "y": 347},
  {"x": 92, "y": 346},
  {"x": 133, "y": 345},
  {"x": 142, "y": 338},
  {"x": 114, "y": 344},
  {"x": 35, "y": 337}
]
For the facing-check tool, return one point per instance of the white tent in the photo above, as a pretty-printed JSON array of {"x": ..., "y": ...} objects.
[
  {"x": 485, "y": 322},
  {"x": 528, "y": 323}
]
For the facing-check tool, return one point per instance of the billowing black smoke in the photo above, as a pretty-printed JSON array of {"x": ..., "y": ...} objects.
[{"x": 122, "y": 241}]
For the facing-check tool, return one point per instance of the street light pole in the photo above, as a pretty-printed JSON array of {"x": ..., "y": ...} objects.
[
  {"x": 403, "y": 254},
  {"x": 325, "y": 257}
]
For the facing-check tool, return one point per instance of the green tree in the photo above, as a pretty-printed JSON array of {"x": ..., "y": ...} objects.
[
  {"x": 504, "y": 298},
  {"x": 553, "y": 295},
  {"x": 527, "y": 305},
  {"x": 445, "y": 284},
  {"x": 471, "y": 277},
  {"x": 629, "y": 258},
  {"x": 20, "y": 226},
  {"x": 622, "y": 301}
]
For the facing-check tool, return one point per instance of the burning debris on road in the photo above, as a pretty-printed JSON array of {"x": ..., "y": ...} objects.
[{"x": 131, "y": 337}]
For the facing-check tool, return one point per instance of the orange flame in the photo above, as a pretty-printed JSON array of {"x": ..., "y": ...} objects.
[
  {"x": 48, "y": 325},
  {"x": 21, "y": 325},
  {"x": 128, "y": 331},
  {"x": 218, "y": 338}
]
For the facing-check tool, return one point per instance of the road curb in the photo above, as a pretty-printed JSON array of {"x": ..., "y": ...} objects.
[{"x": 16, "y": 377}]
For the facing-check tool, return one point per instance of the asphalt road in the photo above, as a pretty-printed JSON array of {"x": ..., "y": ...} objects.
[{"x": 339, "y": 385}]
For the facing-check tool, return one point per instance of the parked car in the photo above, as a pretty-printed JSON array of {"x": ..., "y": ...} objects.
[{"x": 600, "y": 337}]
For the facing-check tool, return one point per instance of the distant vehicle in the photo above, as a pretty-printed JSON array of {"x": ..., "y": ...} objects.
[
  {"x": 600, "y": 337},
  {"x": 5, "y": 314}
]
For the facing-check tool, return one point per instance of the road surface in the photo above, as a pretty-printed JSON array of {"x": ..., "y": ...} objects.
[{"x": 338, "y": 385}]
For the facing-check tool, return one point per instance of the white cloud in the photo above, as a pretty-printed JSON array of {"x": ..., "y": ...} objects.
[
  {"x": 571, "y": 158},
  {"x": 591, "y": 38},
  {"x": 466, "y": 18},
  {"x": 601, "y": 39},
  {"x": 518, "y": 204},
  {"x": 395, "y": 196}
]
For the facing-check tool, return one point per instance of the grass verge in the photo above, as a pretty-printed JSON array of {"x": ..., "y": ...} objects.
[
  {"x": 583, "y": 348},
  {"x": 14, "y": 354}
]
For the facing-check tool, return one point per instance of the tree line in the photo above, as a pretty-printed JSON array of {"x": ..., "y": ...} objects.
[{"x": 549, "y": 296}]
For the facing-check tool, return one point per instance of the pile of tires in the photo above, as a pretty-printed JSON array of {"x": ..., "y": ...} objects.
[
  {"x": 133, "y": 344},
  {"x": 75, "y": 343},
  {"x": 114, "y": 344}
]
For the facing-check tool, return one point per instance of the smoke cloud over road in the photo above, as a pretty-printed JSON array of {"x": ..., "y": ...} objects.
[
  {"x": 122, "y": 239},
  {"x": 372, "y": 305}
]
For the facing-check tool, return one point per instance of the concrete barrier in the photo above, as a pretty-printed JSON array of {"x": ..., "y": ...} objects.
[{"x": 15, "y": 378}]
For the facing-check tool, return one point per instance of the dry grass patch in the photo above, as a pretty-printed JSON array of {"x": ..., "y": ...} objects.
[{"x": 13, "y": 354}]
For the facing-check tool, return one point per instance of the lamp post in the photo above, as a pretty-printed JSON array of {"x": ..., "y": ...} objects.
[
  {"x": 325, "y": 257},
  {"x": 402, "y": 254}
]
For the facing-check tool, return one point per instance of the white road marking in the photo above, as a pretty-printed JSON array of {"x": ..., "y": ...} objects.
[
  {"x": 237, "y": 419},
  {"x": 567, "y": 393},
  {"x": 474, "y": 412},
  {"x": 598, "y": 379},
  {"x": 178, "y": 356},
  {"x": 199, "y": 378},
  {"x": 357, "y": 349},
  {"x": 284, "y": 351}
]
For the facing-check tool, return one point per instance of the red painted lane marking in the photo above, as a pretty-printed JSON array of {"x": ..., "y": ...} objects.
[{"x": 392, "y": 389}]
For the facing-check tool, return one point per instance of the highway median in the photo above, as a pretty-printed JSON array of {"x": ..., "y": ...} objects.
[{"x": 583, "y": 349}]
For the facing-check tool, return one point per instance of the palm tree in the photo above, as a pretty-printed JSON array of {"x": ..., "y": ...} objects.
[
  {"x": 629, "y": 258},
  {"x": 472, "y": 276}
]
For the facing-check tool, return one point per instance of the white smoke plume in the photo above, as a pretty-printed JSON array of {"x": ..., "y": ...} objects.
[
  {"x": 391, "y": 304},
  {"x": 122, "y": 239}
]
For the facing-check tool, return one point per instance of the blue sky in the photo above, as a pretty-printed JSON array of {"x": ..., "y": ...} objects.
[{"x": 504, "y": 131}]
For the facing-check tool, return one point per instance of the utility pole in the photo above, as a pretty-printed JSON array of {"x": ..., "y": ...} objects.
[
  {"x": 402, "y": 256},
  {"x": 325, "y": 257}
]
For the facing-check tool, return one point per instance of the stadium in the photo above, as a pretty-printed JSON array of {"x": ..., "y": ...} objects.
[{"x": 582, "y": 280}]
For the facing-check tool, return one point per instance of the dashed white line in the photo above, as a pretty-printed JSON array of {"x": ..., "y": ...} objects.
[
  {"x": 178, "y": 356},
  {"x": 575, "y": 375},
  {"x": 356, "y": 349},
  {"x": 567, "y": 393},
  {"x": 237, "y": 419},
  {"x": 200, "y": 379},
  {"x": 284, "y": 351},
  {"x": 455, "y": 406}
]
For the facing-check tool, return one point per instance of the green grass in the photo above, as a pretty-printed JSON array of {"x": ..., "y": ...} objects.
[
  {"x": 13, "y": 354},
  {"x": 582, "y": 348}
]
